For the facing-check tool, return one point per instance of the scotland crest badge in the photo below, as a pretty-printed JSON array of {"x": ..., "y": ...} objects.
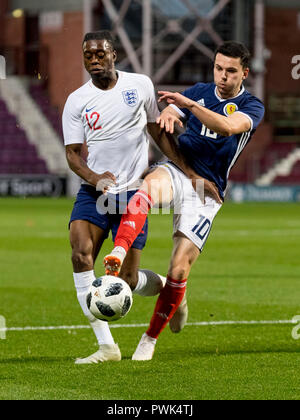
[{"x": 130, "y": 97}]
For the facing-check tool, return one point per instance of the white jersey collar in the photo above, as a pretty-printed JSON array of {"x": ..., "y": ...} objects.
[{"x": 228, "y": 99}]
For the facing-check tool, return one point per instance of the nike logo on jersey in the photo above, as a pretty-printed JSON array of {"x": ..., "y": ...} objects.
[{"x": 89, "y": 110}]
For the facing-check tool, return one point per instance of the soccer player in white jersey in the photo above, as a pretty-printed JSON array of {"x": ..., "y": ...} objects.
[
  {"x": 112, "y": 112},
  {"x": 221, "y": 119}
]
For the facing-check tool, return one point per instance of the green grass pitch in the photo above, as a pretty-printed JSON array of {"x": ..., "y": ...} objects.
[{"x": 249, "y": 271}]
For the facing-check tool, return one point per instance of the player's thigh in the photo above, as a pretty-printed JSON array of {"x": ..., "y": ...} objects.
[
  {"x": 86, "y": 238},
  {"x": 158, "y": 185},
  {"x": 184, "y": 254},
  {"x": 130, "y": 267}
]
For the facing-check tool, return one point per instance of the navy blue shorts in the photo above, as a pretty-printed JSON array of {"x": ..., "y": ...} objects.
[{"x": 105, "y": 211}]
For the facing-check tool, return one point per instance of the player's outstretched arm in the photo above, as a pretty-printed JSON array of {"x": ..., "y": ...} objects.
[
  {"x": 225, "y": 126},
  {"x": 103, "y": 182},
  {"x": 168, "y": 146}
]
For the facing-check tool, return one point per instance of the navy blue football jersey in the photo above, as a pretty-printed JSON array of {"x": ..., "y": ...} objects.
[{"x": 211, "y": 155}]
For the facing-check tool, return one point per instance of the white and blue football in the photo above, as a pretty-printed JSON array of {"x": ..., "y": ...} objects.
[{"x": 109, "y": 298}]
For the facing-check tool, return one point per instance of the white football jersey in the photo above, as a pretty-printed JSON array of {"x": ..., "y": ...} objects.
[{"x": 114, "y": 125}]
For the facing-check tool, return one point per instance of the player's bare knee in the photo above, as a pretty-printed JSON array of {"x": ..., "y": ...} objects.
[
  {"x": 81, "y": 260},
  {"x": 158, "y": 185},
  {"x": 151, "y": 187},
  {"x": 179, "y": 270},
  {"x": 178, "y": 273}
]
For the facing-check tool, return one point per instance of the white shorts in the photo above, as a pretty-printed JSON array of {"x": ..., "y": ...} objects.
[{"x": 192, "y": 217}]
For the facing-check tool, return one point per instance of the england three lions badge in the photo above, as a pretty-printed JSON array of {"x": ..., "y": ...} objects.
[{"x": 131, "y": 97}]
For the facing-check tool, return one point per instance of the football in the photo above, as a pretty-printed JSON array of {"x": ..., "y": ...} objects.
[{"x": 109, "y": 298}]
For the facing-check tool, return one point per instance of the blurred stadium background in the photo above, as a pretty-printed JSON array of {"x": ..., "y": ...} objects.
[{"x": 170, "y": 40}]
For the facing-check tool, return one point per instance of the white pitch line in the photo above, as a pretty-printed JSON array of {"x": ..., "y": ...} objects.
[{"x": 189, "y": 324}]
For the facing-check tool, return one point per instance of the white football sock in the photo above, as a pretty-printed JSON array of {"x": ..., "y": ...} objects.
[
  {"x": 119, "y": 252},
  {"x": 83, "y": 282},
  {"x": 149, "y": 283}
]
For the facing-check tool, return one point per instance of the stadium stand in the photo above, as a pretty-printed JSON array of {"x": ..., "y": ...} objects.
[
  {"x": 284, "y": 171},
  {"x": 292, "y": 179},
  {"x": 39, "y": 94},
  {"x": 28, "y": 130},
  {"x": 274, "y": 154},
  {"x": 284, "y": 114},
  {"x": 276, "y": 162},
  {"x": 17, "y": 156},
  {"x": 258, "y": 162},
  {"x": 281, "y": 161}
]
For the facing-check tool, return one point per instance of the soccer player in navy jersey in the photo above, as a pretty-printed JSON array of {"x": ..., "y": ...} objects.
[{"x": 221, "y": 119}]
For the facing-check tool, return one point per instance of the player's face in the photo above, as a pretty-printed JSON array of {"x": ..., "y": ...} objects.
[
  {"x": 99, "y": 58},
  {"x": 229, "y": 75}
]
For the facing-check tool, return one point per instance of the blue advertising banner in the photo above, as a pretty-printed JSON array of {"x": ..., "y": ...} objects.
[{"x": 248, "y": 192}]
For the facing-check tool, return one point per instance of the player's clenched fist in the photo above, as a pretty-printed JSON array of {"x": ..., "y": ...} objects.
[
  {"x": 203, "y": 187},
  {"x": 105, "y": 181}
]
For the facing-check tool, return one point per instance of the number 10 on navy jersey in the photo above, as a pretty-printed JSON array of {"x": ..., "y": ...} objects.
[{"x": 207, "y": 133}]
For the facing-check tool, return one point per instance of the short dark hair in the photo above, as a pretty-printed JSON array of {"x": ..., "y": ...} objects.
[
  {"x": 100, "y": 35},
  {"x": 235, "y": 50}
]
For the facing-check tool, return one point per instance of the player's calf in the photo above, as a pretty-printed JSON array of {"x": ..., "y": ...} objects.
[
  {"x": 130, "y": 276},
  {"x": 166, "y": 306},
  {"x": 179, "y": 319},
  {"x": 81, "y": 261},
  {"x": 149, "y": 283},
  {"x": 185, "y": 253}
]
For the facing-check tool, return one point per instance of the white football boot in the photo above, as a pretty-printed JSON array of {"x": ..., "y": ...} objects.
[
  {"x": 145, "y": 348},
  {"x": 113, "y": 262},
  {"x": 106, "y": 353},
  {"x": 179, "y": 319}
]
